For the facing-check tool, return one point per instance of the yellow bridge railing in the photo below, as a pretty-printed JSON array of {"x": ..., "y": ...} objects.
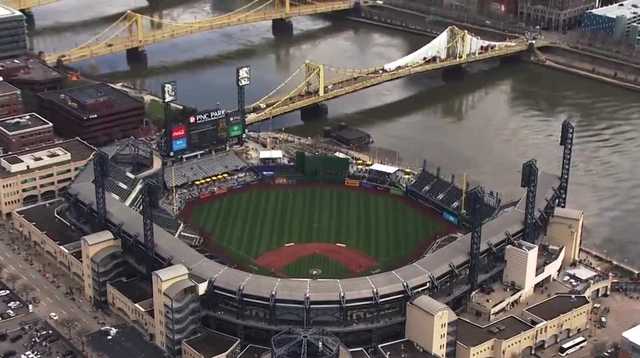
[
  {"x": 137, "y": 31},
  {"x": 299, "y": 99}
]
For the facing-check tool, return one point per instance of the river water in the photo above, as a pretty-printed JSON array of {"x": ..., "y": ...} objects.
[{"x": 485, "y": 124}]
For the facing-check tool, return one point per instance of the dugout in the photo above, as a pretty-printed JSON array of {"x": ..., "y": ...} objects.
[{"x": 327, "y": 168}]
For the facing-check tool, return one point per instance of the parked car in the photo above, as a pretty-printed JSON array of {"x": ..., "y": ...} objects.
[
  {"x": 53, "y": 316},
  {"x": 4, "y": 292}
]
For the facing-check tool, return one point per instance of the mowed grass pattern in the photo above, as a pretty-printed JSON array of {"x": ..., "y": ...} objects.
[{"x": 257, "y": 220}]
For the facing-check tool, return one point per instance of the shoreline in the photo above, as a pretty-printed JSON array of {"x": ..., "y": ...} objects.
[{"x": 397, "y": 23}]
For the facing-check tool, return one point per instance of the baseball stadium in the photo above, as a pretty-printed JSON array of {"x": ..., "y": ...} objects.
[{"x": 252, "y": 247}]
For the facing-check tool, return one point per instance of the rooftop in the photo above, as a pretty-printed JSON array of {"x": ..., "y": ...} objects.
[
  {"x": 43, "y": 217},
  {"x": 78, "y": 149},
  {"x": 23, "y": 123},
  {"x": 171, "y": 272},
  {"x": 6, "y": 87},
  {"x": 632, "y": 335},
  {"x": 429, "y": 305},
  {"x": 254, "y": 351},
  {"x": 557, "y": 306},
  {"x": 568, "y": 213},
  {"x": 93, "y": 100},
  {"x": 211, "y": 343},
  {"x": 6, "y": 11},
  {"x": 350, "y": 133},
  {"x": 127, "y": 342},
  {"x": 629, "y": 8},
  {"x": 27, "y": 69},
  {"x": 403, "y": 348},
  {"x": 472, "y": 335},
  {"x": 135, "y": 289}
]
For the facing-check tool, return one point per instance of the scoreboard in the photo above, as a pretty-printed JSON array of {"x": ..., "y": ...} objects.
[{"x": 207, "y": 129}]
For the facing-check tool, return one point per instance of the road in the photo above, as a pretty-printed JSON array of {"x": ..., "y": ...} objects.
[{"x": 52, "y": 298}]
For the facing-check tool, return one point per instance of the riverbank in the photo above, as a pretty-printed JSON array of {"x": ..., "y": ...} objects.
[{"x": 555, "y": 56}]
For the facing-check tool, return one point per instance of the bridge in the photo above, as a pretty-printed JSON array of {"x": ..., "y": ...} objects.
[
  {"x": 452, "y": 48},
  {"x": 134, "y": 31},
  {"x": 26, "y": 4}
]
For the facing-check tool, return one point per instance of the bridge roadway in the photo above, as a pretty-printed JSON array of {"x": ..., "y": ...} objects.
[
  {"x": 359, "y": 82},
  {"x": 139, "y": 37}
]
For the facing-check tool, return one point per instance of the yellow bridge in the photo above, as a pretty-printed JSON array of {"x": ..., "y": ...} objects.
[
  {"x": 454, "y": 47},
  {"x": 135, "y": 31},
  {"x": 26, "y": 4}
]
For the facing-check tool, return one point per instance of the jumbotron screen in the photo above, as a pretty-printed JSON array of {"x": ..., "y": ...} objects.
[{"x": 207, "y": 128}]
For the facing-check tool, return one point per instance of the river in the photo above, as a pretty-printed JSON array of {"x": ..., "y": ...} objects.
[{"x": 485, "y": 124}]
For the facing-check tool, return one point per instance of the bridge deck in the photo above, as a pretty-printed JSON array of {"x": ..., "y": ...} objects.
[
  {"x": 140, "y": 37},
  {"x": 360, "y": 82}
]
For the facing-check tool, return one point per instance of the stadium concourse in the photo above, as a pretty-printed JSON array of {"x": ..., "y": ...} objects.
[{"x": 194, "y": 289}]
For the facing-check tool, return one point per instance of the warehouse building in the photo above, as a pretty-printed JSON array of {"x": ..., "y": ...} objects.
[
  {"x": 24, "y": 131},
  {"x": 97, "y": 113},
  {"x": 41, "y": 173},
  {"x": 13, "y": 32},
  {"x": 620, "y": 21},
  {"x": 10, "y": 100}
]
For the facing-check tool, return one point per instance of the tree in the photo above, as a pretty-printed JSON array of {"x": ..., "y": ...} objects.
[
  {"x": 12, "y": 278},
  {"x": 27, "y": 289},
  {"x": 68, "y": 323}
]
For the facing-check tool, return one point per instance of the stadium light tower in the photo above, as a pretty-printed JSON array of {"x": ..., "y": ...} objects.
[
  {"x": 100, "y": 172},
  {"x": 475, "y": 216},
  {"x": 566, "y": 141},
  {"x": 529, "y": 180},
  {"x": 148, "y": 191}
]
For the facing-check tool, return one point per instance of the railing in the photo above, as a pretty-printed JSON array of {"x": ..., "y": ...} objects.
[{"x": 138, "y": 37}]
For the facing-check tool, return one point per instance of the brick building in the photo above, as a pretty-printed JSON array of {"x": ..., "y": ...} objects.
[
  {"x": 24, "y": 131},
  {"x": 30, "y": 74},
  {"x": 10, "y": 100},
  {"x": 97, "y": 113}
]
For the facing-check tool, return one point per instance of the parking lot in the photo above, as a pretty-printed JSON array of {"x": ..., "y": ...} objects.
[
  {"x": 11, "y": 305},
  {"x": 18, "y": 337}
]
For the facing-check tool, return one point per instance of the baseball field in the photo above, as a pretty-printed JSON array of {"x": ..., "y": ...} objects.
[{"x": 314, "y": 230}]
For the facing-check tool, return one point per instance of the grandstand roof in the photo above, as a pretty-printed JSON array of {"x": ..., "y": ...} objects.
[
  {"x": 356, "y": 289},
  {"x": 383, "y": 168}
]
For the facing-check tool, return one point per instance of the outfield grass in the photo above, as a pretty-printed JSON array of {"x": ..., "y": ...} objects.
[{"x": 258, "y": 220}]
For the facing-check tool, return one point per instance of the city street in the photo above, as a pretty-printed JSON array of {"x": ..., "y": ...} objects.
[{"x": 72, "y": 310}]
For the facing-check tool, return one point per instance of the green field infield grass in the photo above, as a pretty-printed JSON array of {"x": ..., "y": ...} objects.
[{"x": 251, "y": 222}]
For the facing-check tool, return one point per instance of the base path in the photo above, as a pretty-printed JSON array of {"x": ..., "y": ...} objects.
[{"x": 354, "y": 260}]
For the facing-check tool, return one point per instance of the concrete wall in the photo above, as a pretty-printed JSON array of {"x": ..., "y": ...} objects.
[
  {"x": 426, "y": 330},
  {"x": 565, "y": 230},
  {"x": 121, "y": 304}
]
